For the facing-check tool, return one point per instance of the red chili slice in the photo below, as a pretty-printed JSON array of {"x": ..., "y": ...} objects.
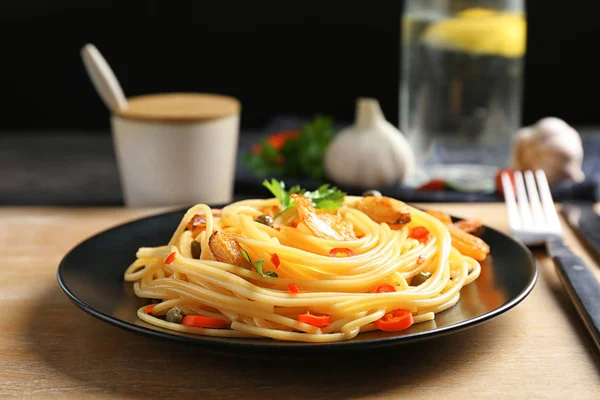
[
  {"x": 275, "y": 260},
  {"x": 346, "y": 252},
  {"x": 396, "y": 320},
  {"x": 318, "y": 320},
  {"x": 200, "y": 321},
  {"x": 170, "y": 258},
  {"x": 149, "y": 308},
  {"x": 293, "y": 288},
  {"x": 385, "y": 289},
  {"x": 420, "y": 233}
]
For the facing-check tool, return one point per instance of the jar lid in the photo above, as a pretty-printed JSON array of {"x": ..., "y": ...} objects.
[{"x": 180, "y": 107}]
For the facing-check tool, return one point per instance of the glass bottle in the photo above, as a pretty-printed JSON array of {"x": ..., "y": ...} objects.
[{"x": 461, "y": 87}]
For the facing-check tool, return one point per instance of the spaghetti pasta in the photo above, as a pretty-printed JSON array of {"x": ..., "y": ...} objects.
[{"x": 293, "y": 279}]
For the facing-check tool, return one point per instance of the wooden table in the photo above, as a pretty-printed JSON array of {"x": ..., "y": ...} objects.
[{"x": 51, "y": 349}]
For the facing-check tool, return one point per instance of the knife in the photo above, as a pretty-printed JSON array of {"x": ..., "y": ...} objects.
[
  {"x": 581, "y": 284},
  {"x": 583, "y": 218}
]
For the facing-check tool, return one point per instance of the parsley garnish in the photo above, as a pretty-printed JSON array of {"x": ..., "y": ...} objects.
[
  {"x": 278, "y": 189},
  {"x": 325, "y": 197},
  {"x": 300, "y": 157},
  {"x": 258, "y": 266}
]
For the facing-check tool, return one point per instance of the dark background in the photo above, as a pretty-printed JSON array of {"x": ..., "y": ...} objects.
[{"x": 276, "y": 57}]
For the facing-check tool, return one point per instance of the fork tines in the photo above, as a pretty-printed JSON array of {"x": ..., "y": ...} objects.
[{"x": 533, "y": 208}]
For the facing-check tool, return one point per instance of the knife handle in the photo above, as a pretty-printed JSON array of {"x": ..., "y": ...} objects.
[{"x": 584, "y": 290}]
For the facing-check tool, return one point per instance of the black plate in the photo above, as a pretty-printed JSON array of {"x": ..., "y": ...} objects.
[{"x": 91, "y": 275}]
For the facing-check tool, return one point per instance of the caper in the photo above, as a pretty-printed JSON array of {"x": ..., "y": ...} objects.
[
  {"x": 175, "y": 315},
  {"x": 196, "y": 250},
  {"x": 420, "y": 278},
  {"x": 265, "y": 220},
  {"x": 375, "y": 193}
]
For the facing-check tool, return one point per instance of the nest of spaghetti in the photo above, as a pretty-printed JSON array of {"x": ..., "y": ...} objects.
[{"x": 306, "y": 266}]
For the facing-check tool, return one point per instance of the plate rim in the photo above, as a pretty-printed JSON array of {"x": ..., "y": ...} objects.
[{"x": 270, "y": 344}]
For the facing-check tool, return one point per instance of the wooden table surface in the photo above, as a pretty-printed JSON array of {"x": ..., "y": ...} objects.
[{"x": 51, "y": 349}]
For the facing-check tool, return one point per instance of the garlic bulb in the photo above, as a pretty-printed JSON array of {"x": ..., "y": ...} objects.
[
  {"x": 551, "y": 145},
  {"x": 370, "y": 153}
]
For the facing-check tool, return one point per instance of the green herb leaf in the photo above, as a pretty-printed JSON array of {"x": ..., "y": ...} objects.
[
  {"x": 277, "y": 188},
  {"x": 258, "y": 266},
  {"x": 304, "y": 157},
  {"x": 300, "y": 157},
  {"x": 328, "y": 205},
  {"x": 326, "y": 197},
  {"x": 246, "y": 256},
  {"x": 267, "y": 162}
]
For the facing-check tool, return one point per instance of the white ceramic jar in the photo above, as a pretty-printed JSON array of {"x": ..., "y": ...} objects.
[{"x": 177, "y": 149}]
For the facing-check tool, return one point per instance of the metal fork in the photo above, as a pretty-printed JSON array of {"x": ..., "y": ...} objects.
[{"x": 533, "y": 219}]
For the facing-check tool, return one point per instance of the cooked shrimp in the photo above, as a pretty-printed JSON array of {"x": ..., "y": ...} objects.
[
  {"x": 323, "y": 225},
  {"x": 468, "y": 245},
  {"x": 442, "y": 216},
  {"x": 226, "y": 249},
  {"x": 472, "y": 226},
  {"x": 462, "y": 234},
  {"x": 384, "y": 209}
]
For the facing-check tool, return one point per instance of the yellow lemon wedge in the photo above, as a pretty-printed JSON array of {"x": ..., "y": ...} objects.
[
  {"x": 476, "y": 12},
  {"x": 481, "y": 31}
]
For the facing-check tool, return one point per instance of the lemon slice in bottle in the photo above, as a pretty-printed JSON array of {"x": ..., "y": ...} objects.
[{"x": 480, "y": 31}]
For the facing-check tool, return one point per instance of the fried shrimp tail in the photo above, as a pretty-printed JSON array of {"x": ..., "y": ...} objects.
[{"x": 469, "y": 245}]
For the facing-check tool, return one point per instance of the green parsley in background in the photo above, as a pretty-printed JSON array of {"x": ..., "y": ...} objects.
[{"x": 295, "y": 153}]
